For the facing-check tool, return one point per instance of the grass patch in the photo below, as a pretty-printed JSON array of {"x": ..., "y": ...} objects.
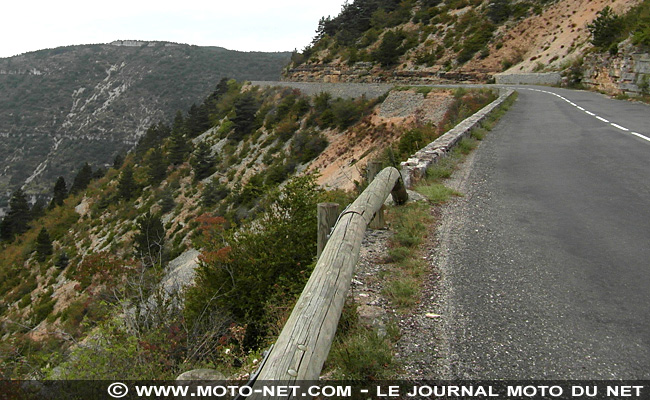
[
  {"x": 363, "y": 355},
  {"x": 403, "y": 292},
  {"x": 410, "y": 224},
  {"x": 437, "y": 193},
  {"x": 360, "y": 352}
]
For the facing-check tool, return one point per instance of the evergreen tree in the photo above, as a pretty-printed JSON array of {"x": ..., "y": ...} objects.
[
  {"x": 62, "y": 261},
  {"x": 178, "y": 144},
  {"x": 17, "y": 219},
  {"x": 606, "y": 29},
  {"x": 5, "y": 229},
  {"x": 245, "y": 108},
  {"x": 127, "y": 186},
  {"x": 202, "y": 161},
  {"x": 60, "y": 192},
  {"x": 389, "y": 49},
  {"x": 166, "y": 201},
  {"x": 219, "y": 91},
  {"x": 43, "y": 245},
  {"x": 198, "y": 120},
  {"x": 118, "y": 161},
  {"x": 152, "y": 138},
  {"x": 499, "y": 10},
  {"x": 156, "y": 166},
  {"x": 150, "y": 240},
  {"x": 38, "y": 210},
  {"x": 83, "y": 178},
  {"x": 213, "y": 193}
]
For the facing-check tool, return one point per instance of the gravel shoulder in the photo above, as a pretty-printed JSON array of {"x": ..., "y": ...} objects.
[{"x": 423, "y": 348}]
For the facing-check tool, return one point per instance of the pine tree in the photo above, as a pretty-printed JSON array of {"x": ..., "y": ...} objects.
[
  {"x": 60, "y": 192},
  {"x": 43, "y": 245},
  {"x": 156, "y": 166},
  {"x": 62, "y": 261},
  {"x": 150, "y": 240},
  {"x": 118, "y": 161},
  {"x": 37, "y": 210},
  {"x": 198, "y": 120},
  {"x": 202, "y": 161},
  {"x": 246, "y": 107},
  {"x": 606, "y": 29},
  {"x": 178, "y": 144},
  {"x": 166, "y": 201},
  {"x": 17, "y": 219},
  {"x": 83, "y": 178},
  {"x": 5, "y": 230},
  {"x": 127, "y": 186}
]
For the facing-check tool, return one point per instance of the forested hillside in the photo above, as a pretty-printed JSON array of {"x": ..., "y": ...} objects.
[{"x": 62, "y": 107}]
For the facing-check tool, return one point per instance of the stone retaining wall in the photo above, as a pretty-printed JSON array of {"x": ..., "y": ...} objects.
[
  {"x": 626, "y": 72},
  {"x": 416, "y": 166},
  {"x": 343, "y": 90},
  {"x": 548, "y": 78}
]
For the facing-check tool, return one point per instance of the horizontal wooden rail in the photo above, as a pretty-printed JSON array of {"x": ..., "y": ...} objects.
[{"x": 304, "y": 343}]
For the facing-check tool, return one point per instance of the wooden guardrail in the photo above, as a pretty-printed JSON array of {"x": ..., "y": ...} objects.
[{"x": 304, "y": 343}]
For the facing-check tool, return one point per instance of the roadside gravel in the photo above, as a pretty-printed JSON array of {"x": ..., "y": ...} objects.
[{"x": 422, "y": 349}]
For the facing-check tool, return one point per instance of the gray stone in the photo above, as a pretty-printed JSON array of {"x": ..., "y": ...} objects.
[{"x": 203, "y": 374}]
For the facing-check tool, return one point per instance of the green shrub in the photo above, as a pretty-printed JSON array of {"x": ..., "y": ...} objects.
[{"x": 272, "y": 254}]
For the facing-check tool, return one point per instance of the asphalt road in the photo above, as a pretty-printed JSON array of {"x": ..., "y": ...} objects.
[{"x": 549, "y": 266}]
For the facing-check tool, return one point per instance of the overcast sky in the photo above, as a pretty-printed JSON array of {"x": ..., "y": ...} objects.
[{"x": 247, "y": 25}]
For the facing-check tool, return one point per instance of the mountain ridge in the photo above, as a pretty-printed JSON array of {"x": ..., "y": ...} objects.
[{"x": 57, "y": 104}]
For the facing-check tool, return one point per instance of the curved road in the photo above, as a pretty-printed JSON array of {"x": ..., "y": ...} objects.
[{"x": 549, "y": 271}]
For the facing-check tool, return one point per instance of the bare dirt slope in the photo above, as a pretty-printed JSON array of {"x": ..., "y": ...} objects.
[{"x": 549, "y": 39}]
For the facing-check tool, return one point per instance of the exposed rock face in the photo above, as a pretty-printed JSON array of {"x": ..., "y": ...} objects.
[{"x": 627, "y": 72}]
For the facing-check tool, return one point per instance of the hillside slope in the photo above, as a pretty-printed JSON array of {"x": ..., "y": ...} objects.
[
  {"x": 79, "y": 284},
  {"x": 439, "y": 41},
  {"x": 62, "y": 107}
]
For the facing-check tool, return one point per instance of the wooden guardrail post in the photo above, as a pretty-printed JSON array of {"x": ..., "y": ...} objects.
[
  {"x": 304, "y": 343},
  {"x": 328, "y": 213}
]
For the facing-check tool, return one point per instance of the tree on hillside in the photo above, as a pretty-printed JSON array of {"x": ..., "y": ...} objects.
[
  {"x": 260, "y": 265},
  {"x": 179, "y": 146},
  {"x": 156, "y": 166},
  {"x": 37, "y": 210},
  {"x": 43, "y": 245},
  {"x": 59, "y": 193},
  {"x": 17, "y": 219},
  {"x": 198, "y": 120},
  {"x": 498, "y": 10},
  {"x": 606, "y": 29},
  {"x": 83, "y": 178},
  {"x": 202, "y": 161},
  {"x": 246, "y": 107},
  {"x": 62, "y": 260},
  {"x": 389, "y": 49},
  {"x": 118, "y": 161},
  {"x": 150, "y": 240},
  {"x": 126, "y": 186},
  {"x": 153, "y": 137}
]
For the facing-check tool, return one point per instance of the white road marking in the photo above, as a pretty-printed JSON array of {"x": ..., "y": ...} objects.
[
  {"x": 641, "y": 136},
  {"x": 594, "y": 115}
]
